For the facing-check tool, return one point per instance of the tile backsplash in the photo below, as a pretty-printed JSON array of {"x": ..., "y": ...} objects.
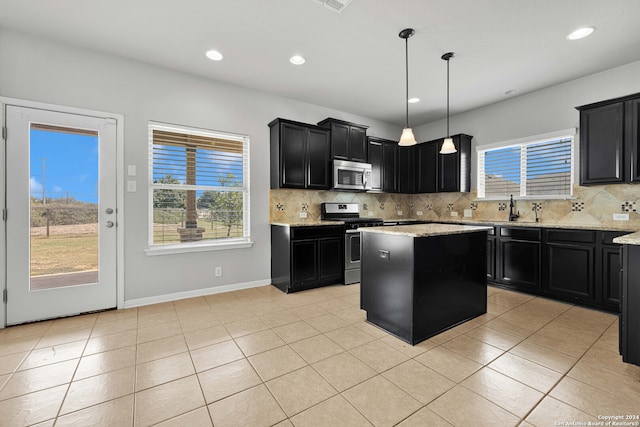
[{"x": 594, "y": 205}]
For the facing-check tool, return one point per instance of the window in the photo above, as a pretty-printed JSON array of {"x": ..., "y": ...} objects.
[
  {"x": 199, "y": 192},
  {"x": 534, "y": 167}
]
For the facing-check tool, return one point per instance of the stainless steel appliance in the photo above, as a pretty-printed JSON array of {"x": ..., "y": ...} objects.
[
  {"x": 351, "y": 175},
  {"x": 350, "y": 214}
]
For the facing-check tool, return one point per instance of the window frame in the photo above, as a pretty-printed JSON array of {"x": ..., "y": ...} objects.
[
  {"x": 205, "y": 244},
  {"x": 522, "y": 143}
]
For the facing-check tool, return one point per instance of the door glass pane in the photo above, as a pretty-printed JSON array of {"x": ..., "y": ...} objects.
[{"x": 63, "y": 206}]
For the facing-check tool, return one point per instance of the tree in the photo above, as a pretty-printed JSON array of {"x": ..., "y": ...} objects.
[
  {"x": 226, "y": 205},
  {"x": 168, "y": 198}
]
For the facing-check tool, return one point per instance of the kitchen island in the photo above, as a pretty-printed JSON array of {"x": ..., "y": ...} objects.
[{"x": 420, "y": 280}]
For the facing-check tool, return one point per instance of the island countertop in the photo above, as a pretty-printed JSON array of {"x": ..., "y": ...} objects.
[{"x": 425, "y": 230}]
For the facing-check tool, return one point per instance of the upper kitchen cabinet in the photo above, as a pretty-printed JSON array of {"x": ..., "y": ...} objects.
[
  {"x": 300, "y": 155},
  {"x": 383, "y": 156},
  {"x": 610, "y": 141},
  {"x": 454, "y": 170},
  {"x": 426, "y": 169},
  {"x": 348, "y": 140}
]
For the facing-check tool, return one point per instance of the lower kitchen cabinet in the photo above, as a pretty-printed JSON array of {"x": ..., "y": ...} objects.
[
  {"x": 629, "y": 301},
  {"x": 519, "y": 258},
  {"x": 306, "y": 257}
]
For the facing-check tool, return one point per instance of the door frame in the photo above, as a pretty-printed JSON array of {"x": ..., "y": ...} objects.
[{"x": 119, "y": 118}]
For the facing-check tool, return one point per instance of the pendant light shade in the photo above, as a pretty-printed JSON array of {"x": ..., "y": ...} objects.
[
  {"x": 448, "y": 147},
  {"x": 407, "y": 137}
]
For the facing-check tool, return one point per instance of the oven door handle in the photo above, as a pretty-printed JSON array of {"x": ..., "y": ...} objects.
[{"x": 352, "y": 231}]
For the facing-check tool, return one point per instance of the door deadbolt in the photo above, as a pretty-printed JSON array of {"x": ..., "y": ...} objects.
[
  {"x": 108, "y": 211},
  {"x": 109, "y": 224}
]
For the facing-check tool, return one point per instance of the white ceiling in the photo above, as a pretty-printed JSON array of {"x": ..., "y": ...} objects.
[{"x": 355, "y": 59}]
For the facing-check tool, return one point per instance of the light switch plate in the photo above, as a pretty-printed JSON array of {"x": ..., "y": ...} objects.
[
  {"x": 131, "y": 170},
  {"x": 399, "y": 213},
  {"x": 468, "y": 213},
  {"x": 419, "y": 213},
  {"x": 370, "y": 213},
  {"x": 131, "y": 187},
  {"x": 621, "y": 217},
  {"x": 454, "y": 213},
  {"x": 303, "y": 214}
]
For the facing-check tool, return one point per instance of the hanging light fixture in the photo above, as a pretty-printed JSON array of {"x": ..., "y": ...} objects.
[
  {"x": 448, "y": 146},
  {"x": 407, "y": 137}
]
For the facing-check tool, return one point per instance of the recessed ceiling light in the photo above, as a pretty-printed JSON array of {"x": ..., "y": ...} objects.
[
  {"x": 511, "y": 91},
  {"x": 413, "y": 100},
  {"x": 297, "y": 60},
  {"x": 214, "y": 55},
  {"x": 581, "y": 33}
]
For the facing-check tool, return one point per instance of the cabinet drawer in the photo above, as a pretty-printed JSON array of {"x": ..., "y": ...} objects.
[
  {"x": 571, "y": 236},
  {"x": 520, "y": 233},
  {"x": 315, "y": 232},
  {"x": 608, "y": 236}
]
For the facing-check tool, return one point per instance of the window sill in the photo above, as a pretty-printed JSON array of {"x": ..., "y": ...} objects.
[
  {"x": 198, "y": 247},
  {"x": 534, "y": 198}
]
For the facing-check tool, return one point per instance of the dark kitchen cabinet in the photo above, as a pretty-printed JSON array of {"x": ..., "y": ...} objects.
[
  {"x": 426, "y": 177},
  {"x": 491, "y": 254},
  {"x": 348, "y": 140},
  {"x": 570, "y": 265},
  {"x": 519, "y": 263},
  {"x": 611, "y": 262},
  {"x": 406, "y": 169},
  {"x": 306, "y": 257},
  {"x": 300, "y": 155},
  {"x": 454, "y": 170},
  {"x": 610, "y": 141},
  {"x": 629, "y": 326},
  {"x": 383, "y": 156}
]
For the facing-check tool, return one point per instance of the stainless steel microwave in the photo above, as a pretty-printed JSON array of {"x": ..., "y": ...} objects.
[{"x": 351, "y": 175}]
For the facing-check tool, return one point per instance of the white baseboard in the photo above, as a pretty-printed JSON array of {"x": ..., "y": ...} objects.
[{"x": 138, "y": 302}]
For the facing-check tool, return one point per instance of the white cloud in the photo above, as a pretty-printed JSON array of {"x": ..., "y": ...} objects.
[{"x": 34, "y": 186}]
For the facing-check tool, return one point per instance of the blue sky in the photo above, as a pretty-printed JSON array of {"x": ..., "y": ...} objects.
[{"x": 71, "y": 165}]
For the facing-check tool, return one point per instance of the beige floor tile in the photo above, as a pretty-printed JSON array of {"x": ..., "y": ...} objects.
[
  {"x": 276, "y": 362},
  {"x": 32, "y": 408},
  {"x": 49, "y": 355},
  {"x": 607, "y": 380},
  {"x": 98, "y": 389},
  {"x": 448, "y": 363},
  {"x": 160, "y": 371},
  {"x": 296, "y": 331},
  {"x": 608, "y": 341},
  {"x": 494, "y": 337},
  {"x": 279, "y": 318},
  {"x": 111, "y": 342},
  {"x": 611, "y": 360},
  {"x": 424, "y": 417},
  {"x": 156, "y": 332},
  {"x": 51, "y": 339},
  {"x": 473, "y": 349},
  {"x": 160, "y": 348},
  {"x": 112, "y": 315},
  {"x": 205, "y": 337},
  {"x": 245, "y": 327},
  {"x": 352, "y": 315},
  {"x": 259, "y": 342},
  {"x": 527, "y": 372},
  {"x": 420, "y": 382},
  {"x": 316, "y": 348},
  {"x": 146, "y": 310},
  {"x": 117, "y": 412},
  {"x": 565, "y": 343},
  {"x": 215, "y": 355},
  {"x": 331, "y": 413},
  {"x": 265, "y": 307},
  {"x": 108, "y": 328},
  {"x": 544, "y": 356},
  {"x": 167, "y": 401},
  {"x": 379, "y": 355},
  {"x": 300, "y": 390},
  {"x": 253, "y": 407},
  {"x": 197, "y": 418},
  {"x": 196, "y": 322},
  {"x": 350, "y": 337},
  {"x": 225, "y": 380},
  {"x": 552, "y": 412},
  {"x": 17, "y": 345},
  {"x": 403, "y": 347},
  {"x": 153, "y": 319},
  {"x": 101, "y": 363},
  {"x": 503, "y": 325},
  {"x": 4, "y": 379},
  {"x": 372, "y": 329},
  {"x": 34, "y": 330},
  {"x": 459, "y": 405},
  {"x": 333, "y": 305},
  {"x": 381, "y": 402},
  {"x": 73, "y": 322},
  {"x": 504, "y": 391},
  {"x": 326, "y": 322},
  {"x": 10, "y": 362},
  {"x": 30, "y": 380},
  {"x": 307, "y": 311},
  {"x": 344, "y": 370}
]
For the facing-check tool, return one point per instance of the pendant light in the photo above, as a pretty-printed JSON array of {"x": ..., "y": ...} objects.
[
  {"x": 407, "y": 137},
  {"x": 448, "y": 146}
]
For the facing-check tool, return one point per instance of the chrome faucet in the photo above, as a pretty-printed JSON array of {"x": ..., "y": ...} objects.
[{"x": 512, "y": 216}]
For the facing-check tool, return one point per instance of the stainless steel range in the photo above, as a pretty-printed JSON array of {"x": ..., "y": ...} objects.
[{"x": 350, "y": 214}]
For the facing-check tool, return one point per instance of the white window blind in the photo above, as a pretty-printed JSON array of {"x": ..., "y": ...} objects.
[
  {"x": 534, "y": 168},
  {"x": 199, "y": 185}
]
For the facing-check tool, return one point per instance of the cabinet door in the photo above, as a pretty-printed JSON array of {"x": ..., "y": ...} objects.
[
  {"x": 570, "y": 271},
  {"x": 448, "y": 170},
  {"x": 357, "y": 146},
  {"x": 330, "y": 263},
  {"x": 611, "y": 277},
  {"x": 601, "y": 144},
  {"x": 632, "y": 138},
  {"x": 292, "y": 155},
  {"x": 491, "y": 258},
  {"x": 406, "y": 169},
  {"x": 318, "y": 161},
  {"x": 427, "y": 167},
  {"x": 304, "y": 262},
  {"x": 389, "y": 170},
  {"x": 375, "y": 158},
  {"x": 520, "y": 264},
  {"x": 340, "y": 141}
]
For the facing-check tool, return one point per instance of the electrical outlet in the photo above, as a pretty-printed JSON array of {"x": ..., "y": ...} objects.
[
  {"x": 303, "y": 214},
  {"x": 370, "y": 213},
  {"x": 454, "y": 213},
  {"x": 468, "y": 213},
  {"x": 131, "y": 187},
  {"x": 218, "y": 271},
  {"x": 419, "y": 213},
  {"x": 399, "y": 213},
  {"x": 621, "y": 217}
]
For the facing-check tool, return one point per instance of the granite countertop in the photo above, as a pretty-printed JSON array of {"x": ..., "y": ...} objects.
[
  {"x": 310, "y": 223},
  {"x": 628, "y": 239},
  {"x": 425, "y": 230},
  {"x": 622, "y": 227}
]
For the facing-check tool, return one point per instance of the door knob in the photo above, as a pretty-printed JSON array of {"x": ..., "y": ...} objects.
[
  {"x": 108, "y": 211},
  {"x": 109, "y": 224}
]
